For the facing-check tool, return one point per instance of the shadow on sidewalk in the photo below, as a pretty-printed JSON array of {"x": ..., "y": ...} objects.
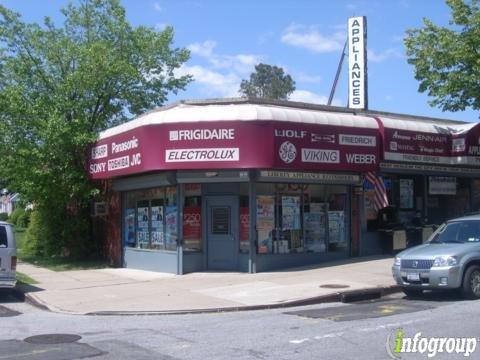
[{"x": 348, "y": 261}]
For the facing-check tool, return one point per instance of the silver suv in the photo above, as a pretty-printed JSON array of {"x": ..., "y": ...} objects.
[
  {"x": 8, "y": 256},
  {"x": 449, "y": 260}
]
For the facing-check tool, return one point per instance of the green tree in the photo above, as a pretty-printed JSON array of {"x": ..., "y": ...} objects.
[
  {"x": 60, "y": 86},
  {"x": 268, "y": 82},
  {"x": 446, "y": 59}
]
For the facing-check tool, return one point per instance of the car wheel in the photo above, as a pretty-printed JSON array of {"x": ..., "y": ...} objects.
[
  {"x": 471, "y": 283},
  {"x": 412, "y": 292}
]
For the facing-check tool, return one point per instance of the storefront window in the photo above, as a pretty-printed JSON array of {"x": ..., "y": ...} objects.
[
  {"x": 150, "y": 219},
  {"x": 337, "y": 207},
  {"x": 192, "y": 218},
  {"x": 295, "y": 218},
  {"x": 448, "y": 197}
]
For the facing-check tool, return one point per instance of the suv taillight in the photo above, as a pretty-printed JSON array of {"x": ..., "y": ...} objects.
[{"x": 14, "y": 263}]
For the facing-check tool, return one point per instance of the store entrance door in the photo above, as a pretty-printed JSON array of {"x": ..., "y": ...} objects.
[{"x": 222, "y": 231}]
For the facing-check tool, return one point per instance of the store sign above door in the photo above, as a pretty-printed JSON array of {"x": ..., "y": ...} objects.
[
  {"x": 236, "y": 145},
  {"x": 326, "y": 147},
  {"x": 307, "y": 177},
  {"x": 412, "y": 146}
]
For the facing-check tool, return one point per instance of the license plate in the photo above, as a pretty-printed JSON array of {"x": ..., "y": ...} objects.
[{"x": 413, "y": 277}]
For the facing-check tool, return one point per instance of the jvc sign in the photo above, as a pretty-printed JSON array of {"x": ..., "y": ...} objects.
[{"x": 357, "y": 63}]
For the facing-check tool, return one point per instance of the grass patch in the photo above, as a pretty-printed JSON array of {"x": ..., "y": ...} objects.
[
  {"x": 54, "y": 263},
  {"x": 66, "y": 264},
  {"x": 23, "y": 279}
]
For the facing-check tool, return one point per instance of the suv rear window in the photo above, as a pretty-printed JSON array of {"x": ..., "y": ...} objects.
[{"x": 3, "y": 237}]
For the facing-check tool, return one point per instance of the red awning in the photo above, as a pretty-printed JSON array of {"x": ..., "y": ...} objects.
[{"x": 237, "y": 136}]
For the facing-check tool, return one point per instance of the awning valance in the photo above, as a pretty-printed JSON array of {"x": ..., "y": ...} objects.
[{"x": 237, "y": 136}]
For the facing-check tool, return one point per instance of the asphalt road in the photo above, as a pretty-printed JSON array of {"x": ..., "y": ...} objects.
[{"x": 327, "y": 331}]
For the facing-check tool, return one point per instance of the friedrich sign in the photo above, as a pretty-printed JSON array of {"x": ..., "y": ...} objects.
[{"x": 357, "y": 64}]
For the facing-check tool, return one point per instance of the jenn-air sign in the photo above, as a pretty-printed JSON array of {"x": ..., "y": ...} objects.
[{"x": 357, "y": 63}]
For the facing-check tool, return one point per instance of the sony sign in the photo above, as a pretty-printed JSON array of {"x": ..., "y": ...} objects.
[{"x": 357, "y": 63}]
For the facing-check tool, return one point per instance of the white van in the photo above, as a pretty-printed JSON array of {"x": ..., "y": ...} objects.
[{"x": 8, "y": 256}]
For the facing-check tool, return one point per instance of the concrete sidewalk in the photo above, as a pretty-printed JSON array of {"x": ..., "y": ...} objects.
[{"x": 128, "y": 291}]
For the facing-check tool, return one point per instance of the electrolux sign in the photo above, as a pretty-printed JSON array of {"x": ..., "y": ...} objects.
[
  {"x": 357, "y": 63},
  {"x": 203, "y": 153}
]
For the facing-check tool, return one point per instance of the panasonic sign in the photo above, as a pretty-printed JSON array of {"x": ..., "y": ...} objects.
[{"x": 357, "y": 63}]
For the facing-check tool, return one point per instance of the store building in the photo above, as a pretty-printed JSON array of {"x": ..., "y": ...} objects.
[{"x": 253, "y": 185}]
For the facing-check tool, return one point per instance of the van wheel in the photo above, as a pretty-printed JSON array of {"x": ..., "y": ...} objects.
[
  {"x": 471, "y": 283},
  {"x": 412, "y": 292}
]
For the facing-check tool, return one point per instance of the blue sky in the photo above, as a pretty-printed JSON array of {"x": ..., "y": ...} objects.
[{"x": 305, "y": 37}]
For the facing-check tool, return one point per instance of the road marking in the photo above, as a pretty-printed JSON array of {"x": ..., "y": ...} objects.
[
  {"x": 31, "y": 353},
  {"x": 332, "y": 335},
  {"x": 386, "y": 326},
  {"x": 299, "y": 341},
  {"x": 318, "y": 337},
  {"x": 389, "y": 309}
]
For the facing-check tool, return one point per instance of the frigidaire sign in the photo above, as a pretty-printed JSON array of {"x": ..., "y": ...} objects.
[{"x": 357, "y": 63}]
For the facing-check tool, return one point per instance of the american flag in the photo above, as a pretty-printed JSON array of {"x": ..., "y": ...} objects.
[{"x": 381, "y": 199}]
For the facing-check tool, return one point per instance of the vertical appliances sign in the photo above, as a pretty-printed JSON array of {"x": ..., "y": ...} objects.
[{"x": 357, "y": 63}]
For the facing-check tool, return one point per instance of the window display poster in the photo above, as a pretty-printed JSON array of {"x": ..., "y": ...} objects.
[
  {"x": 265, "y": 212},
  {"x": 406, "y": 193},
  {"x": 290, "y": 212},
  {"x": 129, "y": 235},
  {"x": 244, "y": 229},
  {"x": 142, "y": 225},
  {"x": 442, "y": 185},
  {"x": 157, "y": 225},
  {"x": 192, "y": 227},
  {"x": 170, "y": 227},
  {"x": 336, "y": 227},
  {"x": 264, "y": 241},
  {"x": 370, "y": 211},
  {"x": 314, "y": 224},
  {"x": 193, "y": 189},
  {"x": 318, "y": 207}
]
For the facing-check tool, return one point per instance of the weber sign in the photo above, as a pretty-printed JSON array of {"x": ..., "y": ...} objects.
[{"x": 357, "y": 63}]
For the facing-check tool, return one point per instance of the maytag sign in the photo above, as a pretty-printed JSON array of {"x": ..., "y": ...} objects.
[{"x": 357, "y": 63}]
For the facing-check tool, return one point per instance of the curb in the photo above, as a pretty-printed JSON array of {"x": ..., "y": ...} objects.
[
  {"x": 359, "y": 295},
  {"x": 24, "y": 296},
  {"x": 344, "y": 296}
]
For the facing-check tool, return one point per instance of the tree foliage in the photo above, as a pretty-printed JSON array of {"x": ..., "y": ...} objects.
[
  {"x": 268, "y": 82},
  {"x": 446, "y": 59},
  {"x": 60, "y": 86}
]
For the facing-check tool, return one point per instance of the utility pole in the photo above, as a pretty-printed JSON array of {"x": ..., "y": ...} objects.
[{"x": 337, "y": 75}]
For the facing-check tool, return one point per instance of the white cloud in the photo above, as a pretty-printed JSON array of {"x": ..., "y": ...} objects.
[
  {"x": 374, "y": 56},
  {"x": 310, "y": 38},
  {"x": 213, "y": 83},
  {"x": 204, "y": 49},
  {"x": 239, "y": 63},
  {"x": 308, "y": 97},
  {"x": 156, "y": 6}
]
